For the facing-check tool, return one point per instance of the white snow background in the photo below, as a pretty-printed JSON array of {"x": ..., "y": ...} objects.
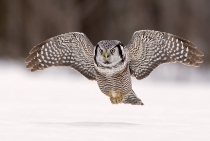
[{"x": 59, "y": 105}]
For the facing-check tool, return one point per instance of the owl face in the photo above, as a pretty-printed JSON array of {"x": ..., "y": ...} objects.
[{"x": 109, "y": 53}]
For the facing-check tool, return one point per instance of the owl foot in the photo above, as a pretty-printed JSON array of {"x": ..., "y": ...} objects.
[{"x": 115, "y": 97}]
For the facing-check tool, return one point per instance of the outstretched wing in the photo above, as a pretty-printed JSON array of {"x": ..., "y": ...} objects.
[
  {"x": 72, "y": 49},
  {"x": 148, "y": 49}
]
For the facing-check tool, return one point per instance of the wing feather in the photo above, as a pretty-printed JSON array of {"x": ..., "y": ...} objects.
[
  {"x": 148, "y": 49},
  {"x": 71, "y": 49}
]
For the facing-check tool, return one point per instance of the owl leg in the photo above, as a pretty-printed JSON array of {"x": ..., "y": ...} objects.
[
  {"x": 115, "y": 97},
  {"x": 131, "y": 98}
]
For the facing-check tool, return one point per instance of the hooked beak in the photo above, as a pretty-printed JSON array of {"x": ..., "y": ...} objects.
[{"x": 106, "y": 55}]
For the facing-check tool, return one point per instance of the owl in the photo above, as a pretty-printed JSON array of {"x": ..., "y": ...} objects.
[{"x": 112, "y": 64}]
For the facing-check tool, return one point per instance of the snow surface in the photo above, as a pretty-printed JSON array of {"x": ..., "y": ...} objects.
[{"x": 55, "y": 105}]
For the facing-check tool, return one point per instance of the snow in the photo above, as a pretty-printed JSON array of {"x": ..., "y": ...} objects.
[{"x": 57, "y": 105}]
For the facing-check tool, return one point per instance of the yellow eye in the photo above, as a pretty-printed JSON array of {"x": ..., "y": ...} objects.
[
  {"x": 112, "y": 50},
  {"x": 101, "y": 51}
]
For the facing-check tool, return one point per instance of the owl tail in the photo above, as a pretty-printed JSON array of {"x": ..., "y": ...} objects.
[{"x": 131, "y": 98}]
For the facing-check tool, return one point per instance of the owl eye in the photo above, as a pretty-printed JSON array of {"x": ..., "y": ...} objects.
[
  {"x": 112, "y": 50},
  {"x": 101, "y": 51}
]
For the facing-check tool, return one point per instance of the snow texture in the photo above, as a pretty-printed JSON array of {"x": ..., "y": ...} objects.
[{"x": 55, "y": 105}]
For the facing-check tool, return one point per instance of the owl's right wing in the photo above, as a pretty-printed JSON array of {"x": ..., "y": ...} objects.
[
  {"x": 148, "y": 49},
  {"x": 72, "y": 49}
]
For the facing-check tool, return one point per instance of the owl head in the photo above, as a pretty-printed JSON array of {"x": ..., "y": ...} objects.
[{"x": 109, "y": 53}]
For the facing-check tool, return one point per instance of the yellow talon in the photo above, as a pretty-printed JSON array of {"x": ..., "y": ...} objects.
[{"x": 115, "y": 97}]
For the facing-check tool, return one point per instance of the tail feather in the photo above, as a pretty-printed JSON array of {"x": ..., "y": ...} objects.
[{"x": 131, "y": 98}]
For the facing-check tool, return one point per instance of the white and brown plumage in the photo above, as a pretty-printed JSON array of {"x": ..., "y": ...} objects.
[{"x": 110, "y": 63}]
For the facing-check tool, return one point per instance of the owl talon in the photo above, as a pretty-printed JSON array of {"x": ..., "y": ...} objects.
[{"x": 115, "y": 97}]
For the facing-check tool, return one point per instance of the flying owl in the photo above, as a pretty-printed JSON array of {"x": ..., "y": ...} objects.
[{"x": 111, "y": 63}]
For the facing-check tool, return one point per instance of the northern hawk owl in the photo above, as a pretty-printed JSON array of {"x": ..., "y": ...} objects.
[{"x": 111, "y": 63}]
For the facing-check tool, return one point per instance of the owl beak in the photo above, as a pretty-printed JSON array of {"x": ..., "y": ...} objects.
[{"x": 106, "y": 55}]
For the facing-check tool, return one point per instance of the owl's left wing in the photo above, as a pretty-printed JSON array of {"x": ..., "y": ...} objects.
[
  {"x": 72, "y": 49},
  {"x": 148, "y": 49}
]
